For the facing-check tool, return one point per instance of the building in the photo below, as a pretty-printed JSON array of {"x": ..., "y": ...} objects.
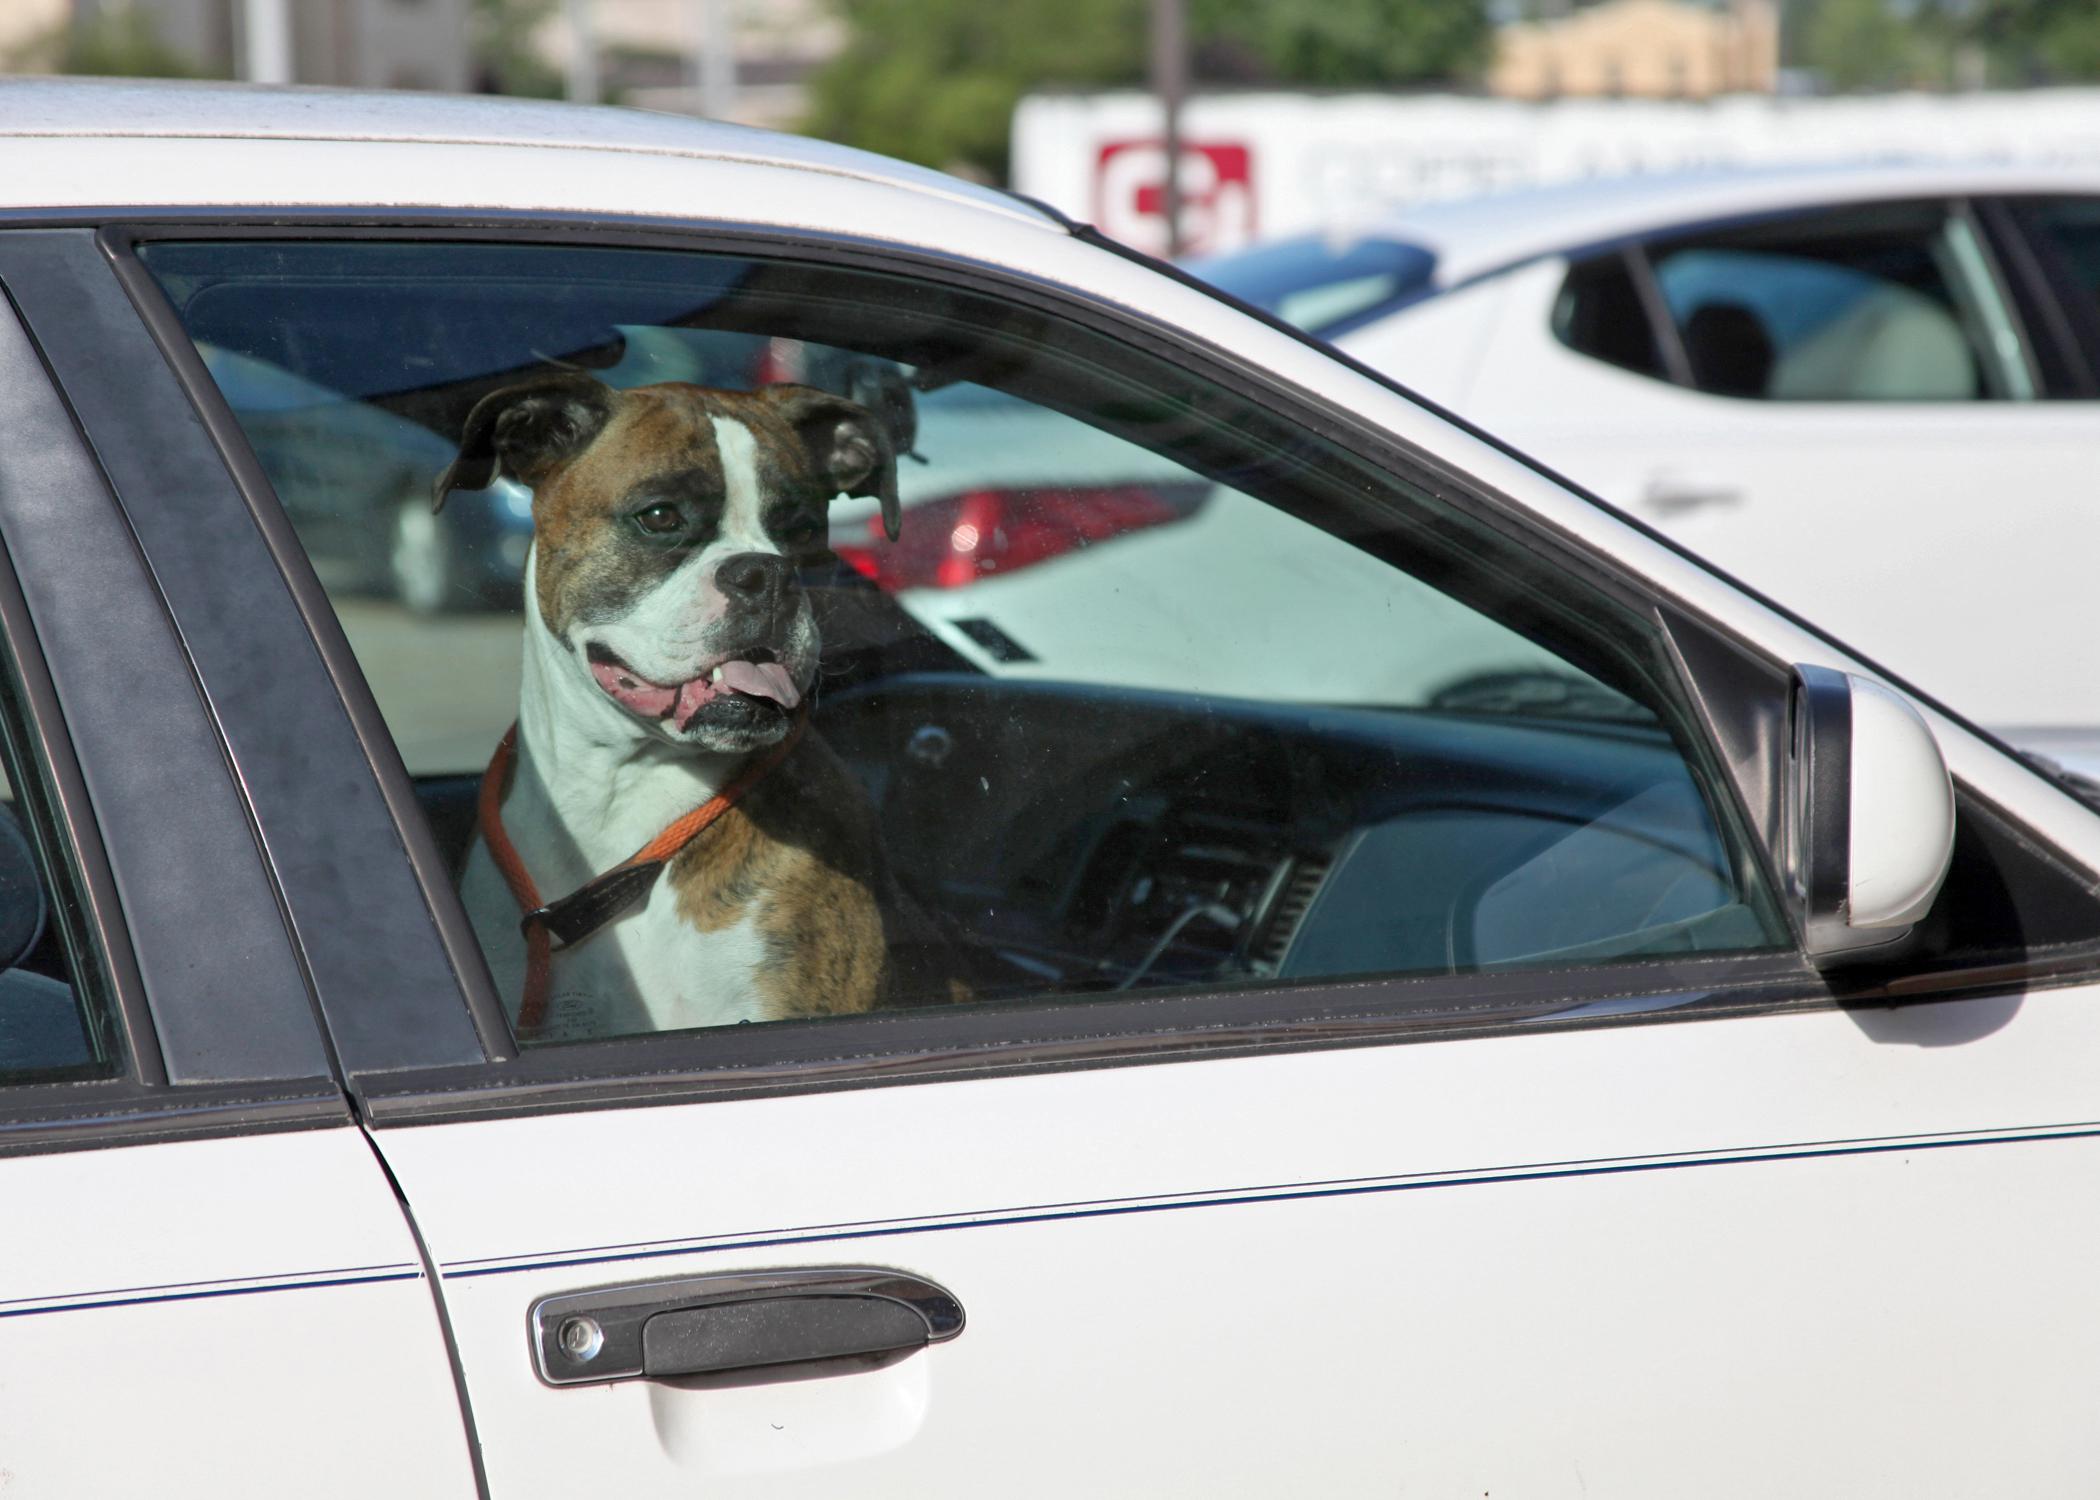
[
  {"x": 24, "y": 24},
  {"x": 1640, "y": 49},
  {"x": 649, "y": 52}
]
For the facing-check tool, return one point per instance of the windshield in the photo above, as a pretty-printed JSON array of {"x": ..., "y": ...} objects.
[{"x": 1320, "y": 284}]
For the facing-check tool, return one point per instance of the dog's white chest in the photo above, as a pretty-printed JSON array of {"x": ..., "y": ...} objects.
[{"x": 650, "y": 970}]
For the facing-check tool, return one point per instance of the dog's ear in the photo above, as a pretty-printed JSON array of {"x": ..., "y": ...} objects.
[
  {"x": 849, "y": 445},
  {"x": 524, "y": 430}
]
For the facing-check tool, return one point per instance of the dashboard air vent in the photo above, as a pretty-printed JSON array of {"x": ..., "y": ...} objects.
[{"x": 1307, "y": 873}]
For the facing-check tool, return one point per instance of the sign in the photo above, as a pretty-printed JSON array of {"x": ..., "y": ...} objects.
[
  {"x": 1273, "y": 165},
  {"x": 1217, "y": 195}
]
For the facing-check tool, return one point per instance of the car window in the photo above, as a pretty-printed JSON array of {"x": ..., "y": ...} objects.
[
  {"x": 1319, "y": 283},
  {"x": 2070, "y": 227},
  {"x": 55, "y": 1020},
  {"x": 1890, "y": 303},
  {"x": 1033, "y": 666},
  {"x": 1598, "y": 312}
]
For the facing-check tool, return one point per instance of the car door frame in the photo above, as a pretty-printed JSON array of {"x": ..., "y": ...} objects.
[
  {"x": 426, "y": 1075},
  {"x": 209, "y": 1205},
  {"x": 216, "y": 1025}
]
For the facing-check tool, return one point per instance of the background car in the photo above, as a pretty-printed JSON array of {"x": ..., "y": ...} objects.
[
  {"x": 1535, "y": 1091},
  {"x": 1868, "y": 391},
  {"x": 357, "y": 478}
]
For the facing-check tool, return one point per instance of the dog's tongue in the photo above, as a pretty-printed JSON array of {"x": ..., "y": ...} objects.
[
  {"x": 755, "y": 679},
  {"x": 760, "y": 679}
]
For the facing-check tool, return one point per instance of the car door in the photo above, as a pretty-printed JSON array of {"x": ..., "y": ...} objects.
[
  {"x": 207, "y": 1284},
  {"x": 1386, "y": 1066},
  {"x": 1847, "y": 408}
]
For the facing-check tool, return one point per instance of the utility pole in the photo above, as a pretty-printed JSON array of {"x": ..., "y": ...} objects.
[
  {"x": 266, "y": 41},
  {"x": 583, "y": 52},
  {"x": 1170, "y": 81},
  {"x": 714, "y": 58}
]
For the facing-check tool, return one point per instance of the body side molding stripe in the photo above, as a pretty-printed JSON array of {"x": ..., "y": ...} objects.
[
  {"x": 191, "y": 1291},
  {"x": 1281, "y": 1193}
]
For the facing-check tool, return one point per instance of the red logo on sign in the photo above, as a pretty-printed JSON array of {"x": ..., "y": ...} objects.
[{"x": 1217, "y": 195}]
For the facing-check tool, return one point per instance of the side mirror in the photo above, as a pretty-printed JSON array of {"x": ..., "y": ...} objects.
[{"x": 1868, "y": 815}]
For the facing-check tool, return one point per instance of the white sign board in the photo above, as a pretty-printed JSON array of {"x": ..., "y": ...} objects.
[{"x": 1257, "y": 166}]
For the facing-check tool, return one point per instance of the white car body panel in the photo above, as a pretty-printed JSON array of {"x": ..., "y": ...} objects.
[
  {"x": 1837, "y": 1252},
  {"x": 1617, "y": 1261},
  {"x": 222, "y": 1317}
]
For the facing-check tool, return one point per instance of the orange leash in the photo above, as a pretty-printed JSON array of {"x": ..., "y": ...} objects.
[{"x": 597, "y": 901}]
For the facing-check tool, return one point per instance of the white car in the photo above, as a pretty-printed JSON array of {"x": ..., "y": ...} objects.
[
  {"x": 1662, "y": 1064},
  {"x": 1871, "y": 392}
]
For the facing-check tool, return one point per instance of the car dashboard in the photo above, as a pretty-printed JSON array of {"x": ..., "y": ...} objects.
[{"x": 1096, "y": 838}]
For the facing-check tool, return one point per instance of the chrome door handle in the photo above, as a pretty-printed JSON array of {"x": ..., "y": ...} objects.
[
  {"x": 742, "y": 1320},
  {"x": 1671, "y": 494}
]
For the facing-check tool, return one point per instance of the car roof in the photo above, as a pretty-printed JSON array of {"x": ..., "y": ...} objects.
[
  {"x": 1473, "y": 236},
  {"x": 207, "y": 124}
]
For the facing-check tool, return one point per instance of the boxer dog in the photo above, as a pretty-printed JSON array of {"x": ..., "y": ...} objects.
[{"x": 669, "y": 654}]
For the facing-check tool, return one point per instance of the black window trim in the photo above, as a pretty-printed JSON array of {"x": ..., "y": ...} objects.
[
  {"x": 1662, "y": 328},
  {"x": 135, "y": 1103},
  {"x": 2038, "y": 275},
  {"x": 918, "y": 1045},
  {"x": 2007, "y": 287},
  {"x": 345, "y": 914}
]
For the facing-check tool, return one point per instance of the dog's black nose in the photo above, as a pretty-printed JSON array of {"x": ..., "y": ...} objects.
[{"x": 755, "y": 578}]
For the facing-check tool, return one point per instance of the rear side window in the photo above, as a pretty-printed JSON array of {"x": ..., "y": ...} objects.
[
  {"x": 1886, "y": 303},
  {"x": 55, "y": 1022}
]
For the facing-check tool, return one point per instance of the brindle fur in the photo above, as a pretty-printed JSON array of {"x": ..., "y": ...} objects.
[{"x": 799, "y": 857}]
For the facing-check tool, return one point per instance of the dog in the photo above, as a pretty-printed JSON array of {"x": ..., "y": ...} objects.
[{"x": 670, "y": 653}]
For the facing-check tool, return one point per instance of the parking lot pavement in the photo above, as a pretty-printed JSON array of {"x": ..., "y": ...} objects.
[{"x": 447, "y": 684}]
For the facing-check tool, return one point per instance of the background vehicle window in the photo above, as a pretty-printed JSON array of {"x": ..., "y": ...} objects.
[
  {"x": 55, "y": 1024},
  {"x": 2070, "y": 227},
  {"x": 1152, "y": 689},
  {"x": 1883, "y": 304},
  {"x": 1599, "y": 313}
]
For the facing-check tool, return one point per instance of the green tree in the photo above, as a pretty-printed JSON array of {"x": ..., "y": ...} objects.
[
  {"x": 2036, "y": 41},
  {"x": 936, "y": 81},
  {"x": 505, "y": 60},
  {"x": 1348, "y": 43},
  {"x": 1864, "y": 44}
]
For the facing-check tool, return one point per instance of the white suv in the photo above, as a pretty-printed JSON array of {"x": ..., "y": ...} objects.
[{"x": 1867, "y": 391}]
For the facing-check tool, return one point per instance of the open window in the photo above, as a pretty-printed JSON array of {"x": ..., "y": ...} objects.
[{"x": 1152, "y": 690}]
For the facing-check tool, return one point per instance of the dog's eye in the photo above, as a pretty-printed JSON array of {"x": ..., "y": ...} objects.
[
  {"x": 800, "y": 532},
  {"x": 659, "y": 519}
]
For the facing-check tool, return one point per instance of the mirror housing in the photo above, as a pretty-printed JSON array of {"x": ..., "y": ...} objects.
[{"x": 1867, "y": 815}]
